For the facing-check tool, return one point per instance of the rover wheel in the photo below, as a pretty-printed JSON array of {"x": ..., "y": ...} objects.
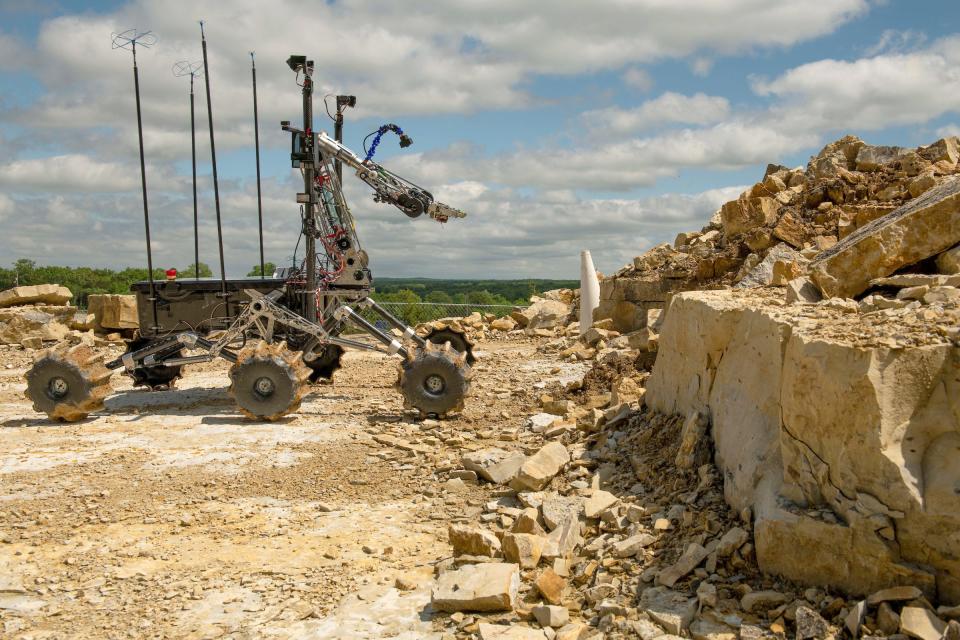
[
  {"x": 323, "y": 360},
  {"x": 267, "y": 381},
  {"x": 158, "y": 377},
  {"x": 68, "y": 383},
  {"x": 455, "y": 336},
  {"x": 435, "y": 380}
]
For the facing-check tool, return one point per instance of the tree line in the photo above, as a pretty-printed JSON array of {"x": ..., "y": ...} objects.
[{"x": 83, "y": 281}]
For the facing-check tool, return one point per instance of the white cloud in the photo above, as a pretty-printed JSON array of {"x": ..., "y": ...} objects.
[
  {"x": 638, "y": 79},
  {"x": 68, "y": 173},
  {"x": 668, "y": 108},
  {"x": 6, "y": 206},
  {"x": 949, "y": 130},
  {"x": 868, "y": 93}
]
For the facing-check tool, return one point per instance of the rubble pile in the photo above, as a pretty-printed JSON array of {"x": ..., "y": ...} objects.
[
  {"x": 794, "y": 216},
  {"x": 38, "y": 316}
]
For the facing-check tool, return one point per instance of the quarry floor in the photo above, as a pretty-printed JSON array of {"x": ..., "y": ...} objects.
[{"x": 170, "y": 515}]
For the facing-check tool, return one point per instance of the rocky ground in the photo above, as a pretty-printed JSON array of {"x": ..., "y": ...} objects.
[{"x": 168, "y": 515}]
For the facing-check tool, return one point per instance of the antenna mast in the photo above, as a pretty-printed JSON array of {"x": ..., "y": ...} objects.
[
  {"x": 256, "y": 142},
  {"x": 213, "y": 160},
  {"x": 129, "y": 40},
  {"x": 192, "y": 69}
]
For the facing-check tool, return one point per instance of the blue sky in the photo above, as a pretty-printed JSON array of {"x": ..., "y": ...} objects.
[{"x": 609, "y": 126}]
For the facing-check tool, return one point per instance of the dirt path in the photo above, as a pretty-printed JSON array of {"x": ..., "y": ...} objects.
[{"x": 168, "y": 515}]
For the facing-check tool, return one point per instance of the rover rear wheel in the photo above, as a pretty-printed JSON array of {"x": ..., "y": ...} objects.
[{"x": 68, "y": 383}]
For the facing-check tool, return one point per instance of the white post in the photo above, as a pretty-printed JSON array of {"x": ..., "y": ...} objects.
[{"x": 589, "y": 291}]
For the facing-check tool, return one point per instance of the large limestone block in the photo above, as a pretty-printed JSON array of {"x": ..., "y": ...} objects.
[
  {"x": 113, "y": 311},
  {"x": 478, "y": 587},
  {"x": 745, "y": 213},
  {"x": 921, "y": 228},
  {"x": 546, "y": 314},
  {"x": 948, "y": 262},
  {"x": 851, "y": 558},
  {"x": 35, "y": 294}
]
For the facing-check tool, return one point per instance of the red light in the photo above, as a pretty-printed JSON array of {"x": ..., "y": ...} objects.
[{"x": 171, "y": 274}]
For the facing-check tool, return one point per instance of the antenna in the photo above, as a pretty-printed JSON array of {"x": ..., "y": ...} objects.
[
  {"x": 213, "y": 160},
  {"x": 193, "y": 69},
  {"x": 256, "y": 143},
  {"x": 129, "y": 40}
]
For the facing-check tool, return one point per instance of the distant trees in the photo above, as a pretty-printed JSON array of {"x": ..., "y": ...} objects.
[
  {"x": 188, "y": 272},
  {"x": 268, "y": 268}
]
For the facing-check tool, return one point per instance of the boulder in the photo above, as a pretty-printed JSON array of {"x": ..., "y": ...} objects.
[
  {"x": 473, "y": 541},
  {"x": 505, "y": 323},
  {"x": 943, "y": 150},
  {"x": 545, "y": 314},
  {"x": 670, "y": 609},
  {"x": 490, "y": 586},
  {"x": 746, "y": 213},
  {"x": 550, "y": 615},
  {"x": 33, "y": 326},
  {"x": 52, "y": 294},
  {"x": 921, "y": 228},
  {"x": 523, "y": 548},
  {"x": 538, "y": 470},
  {"x": 762, "y": 274},
  {"x": 494, "y": 465},
  {"x": 113, "y": 311},
  {"x": 872, "y": 158},
  {"x": 779, "y": 395}
]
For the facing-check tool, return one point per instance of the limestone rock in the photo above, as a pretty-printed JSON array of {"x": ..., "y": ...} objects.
[
  {"x": 52, "y": 294},
  {"x": 802, "y": 290},
  {"x": 872, "y": 158},
  {"x": 671, "y": 610},
  {"x": 473, "y": 541},
  {"x": 747, "y": 213},
  {"x": 556, "y": 508},
  {"x": 113, "y": 311},
  {"x": 506, "y": 323},
  {"x": 762, "y": 600},
  {"x": 887, "y": 619},
  {"x": 692, "y": 556},
  {"x": 921, "y": 623},
  {"x": 791, "y": 229},
  {"x": 477, "y": 587},
  {"x": 538, "y": 470},
  {"x": 893, "y": 594},
  {"x": 731, "y": 541},
  {"x": 573, "y": 631},
  {"x": 549, "y": 615},
  {"x": 694, "y": 448},
  {"x": 923, "y": 227},
  {"x": 523, "y": 548},
  {"x": 550, "y": 585},
  {"x": 943, "y": 150},
  {"x": 495, "y": 465},
  {"x": 544, "y": 313},
  {"x": 762, "y": 274},
  {"x": 598, "y": 501},
  {"x": 810, "y": 624},
  {"x": 854, "y": 619},
  {"x": 630, "y": 546}
]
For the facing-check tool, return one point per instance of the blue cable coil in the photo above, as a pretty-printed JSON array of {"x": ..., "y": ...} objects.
[{"x": 376, "y": 141}]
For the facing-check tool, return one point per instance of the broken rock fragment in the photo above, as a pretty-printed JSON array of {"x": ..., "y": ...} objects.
[
  {"x": 494, "y": 464},
  {"x": 690, "y": 560},
  {"x": 478, "y": 587},
  {"x": 540, "y": 468},
  {"x": 473, "y": 541}
]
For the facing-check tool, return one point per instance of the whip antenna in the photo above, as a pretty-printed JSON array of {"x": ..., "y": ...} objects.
[
  {"x": 193, "y": 69},
  {"x": 213, "y": 161},
  {"x": 256, "y": 144},
  {"x": 129, "y": 40}
]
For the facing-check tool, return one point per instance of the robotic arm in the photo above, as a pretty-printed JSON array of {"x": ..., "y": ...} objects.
[{"x": 387, "y": 186}]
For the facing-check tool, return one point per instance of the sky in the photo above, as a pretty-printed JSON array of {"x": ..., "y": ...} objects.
[{"x": 608, "y": 125}]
